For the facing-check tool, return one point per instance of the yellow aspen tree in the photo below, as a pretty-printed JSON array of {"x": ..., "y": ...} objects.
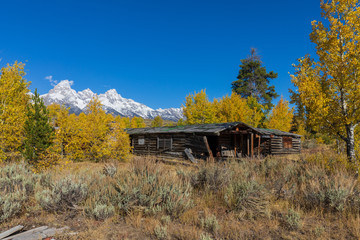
[
  {"x": 96, "y": 129},
  {"x": 137, "y": 122},
  {"x": 256, "y": 114},
  {"x": 118, "y": 142},
  {"x": 121, "y": 121},
  {"x": 140, "y": 122},
  {"x": 330, "y": 86},
  {"x": 281, "y": 116},
  {"x": 157, "y": 122},
  {"x": 13, "y": 101},
  {"x": 75, "y": 134},
  {"x": 301, "y": 131},
  {"x": 64, "y": 127},
  {"x": 126, "y": 122},
  {"x": 233, "y": 109},
  {"x": 180, "y": 122},
  {"x": 198, "y": 109},
  {"x": 54, "y": 110}
]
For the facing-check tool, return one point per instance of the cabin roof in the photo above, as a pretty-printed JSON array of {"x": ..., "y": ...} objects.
[{"x": 209, "y": 129}]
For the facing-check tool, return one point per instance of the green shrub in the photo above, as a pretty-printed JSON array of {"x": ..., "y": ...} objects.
[
  {"x": 103, "y": 211},
  {"x": 11, "y": 204},
  {"x": 152, "y": 190},
  {"x": 101, "y": 201},
  {"x": 184, "y": 176},
  {"x": 160, "y": 232},
  {"x": 63, "y": 195},
  {"x": 45, "y": 180},
  {"x": 15, "y": 177},
  {"x": 109, "y": 170},
  {"x": 17, "y": 183},
  {"x": 214, "y": 177},
  {"x": 210, "y": 224},
  {"x": 333, "y": 192},
  {"x": 309, "y": 143},
  {"x": 165, "y": 219},
  {"x": 248, "y": 197},
  {"x": 292, "y": 220},
  {"x": 205, "y": 237}
]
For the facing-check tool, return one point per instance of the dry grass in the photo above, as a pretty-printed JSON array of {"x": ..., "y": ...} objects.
[{"x": 312, "y": 196}]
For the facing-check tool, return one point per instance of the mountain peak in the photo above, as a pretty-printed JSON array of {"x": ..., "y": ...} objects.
[
  {"x": 112, "y": 92},
  {"x": 112, "y": 102},
  {"x": 64, "y": 84}
]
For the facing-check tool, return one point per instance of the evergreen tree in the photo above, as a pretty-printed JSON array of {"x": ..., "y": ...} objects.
[
  {"x": 253, "y": 80},
  {"x": 38, "y": 131}
]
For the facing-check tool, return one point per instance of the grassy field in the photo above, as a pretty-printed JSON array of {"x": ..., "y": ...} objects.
[{"x": 311, "y": 196}]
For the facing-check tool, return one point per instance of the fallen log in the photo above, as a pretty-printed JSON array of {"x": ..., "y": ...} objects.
[
  {"x": 39, "y": 229},
  {"x": 10, "y": 231},
  {"x": 189, "y": 155},
  {"x": 50, "y": 232}
]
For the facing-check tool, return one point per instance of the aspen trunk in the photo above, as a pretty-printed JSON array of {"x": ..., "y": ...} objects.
[{"x": 350, "y": 142}]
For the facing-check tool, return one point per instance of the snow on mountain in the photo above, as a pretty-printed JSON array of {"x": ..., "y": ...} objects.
[{"x": 113, "y": 103}]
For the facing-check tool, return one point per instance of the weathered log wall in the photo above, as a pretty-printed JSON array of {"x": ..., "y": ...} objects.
[
  {"x": 196, "y": 143},
  {"x": 277, "y": 146},
  {"x": 179, "y": 143},
  {"x": 264, "y": 146}
]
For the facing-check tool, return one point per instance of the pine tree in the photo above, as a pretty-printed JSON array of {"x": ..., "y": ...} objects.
[
  {"x": 38, "y": 131},
  {"x": 253, "y": 80}
]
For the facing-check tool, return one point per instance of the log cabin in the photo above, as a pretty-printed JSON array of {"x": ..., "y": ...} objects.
[{"x": 217, "y": 140}]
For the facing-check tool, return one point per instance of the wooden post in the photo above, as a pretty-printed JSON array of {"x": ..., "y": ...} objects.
[
  {"x": 241, "y": 144},
  {"x": 235, "y": 144},
  {"x": 252, "y": 145},
  {"x": 259, "y": 146},
  {"x": 248, "y": 145},
  {"x": 208, "y": 148}
]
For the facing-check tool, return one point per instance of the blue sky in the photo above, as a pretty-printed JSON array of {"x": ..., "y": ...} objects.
[{"x": 155, "y": 52}]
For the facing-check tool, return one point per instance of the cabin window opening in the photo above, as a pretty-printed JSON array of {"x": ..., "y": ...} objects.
[
  {"x": 164, "y": 143},
  {"x": 287, "y": 142},
  {"x": 141, "y": 140}
]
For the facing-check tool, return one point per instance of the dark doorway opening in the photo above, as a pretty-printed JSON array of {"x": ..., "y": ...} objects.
[{"x": 213, "y": 144}]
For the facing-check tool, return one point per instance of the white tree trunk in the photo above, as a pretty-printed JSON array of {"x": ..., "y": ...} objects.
[{"x": 350, "y": 142}]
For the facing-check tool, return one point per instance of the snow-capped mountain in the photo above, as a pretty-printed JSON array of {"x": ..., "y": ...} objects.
[{"x": 113, "y": 103}]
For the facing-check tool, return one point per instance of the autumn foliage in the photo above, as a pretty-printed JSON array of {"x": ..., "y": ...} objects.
[
  {"x": 281, "y": 117},
  {"x": 329, "y": 86},
  {"x": 13, "y": 101},
  {"x": 47, "y": 136},
  {"x": 94, "y": 136},
  {"x": 198, "y": 109}
]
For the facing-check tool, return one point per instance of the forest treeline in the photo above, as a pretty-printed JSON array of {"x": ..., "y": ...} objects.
[
  {"x": 326, "y": 100},
  {"x": 46, "y": 135}
]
